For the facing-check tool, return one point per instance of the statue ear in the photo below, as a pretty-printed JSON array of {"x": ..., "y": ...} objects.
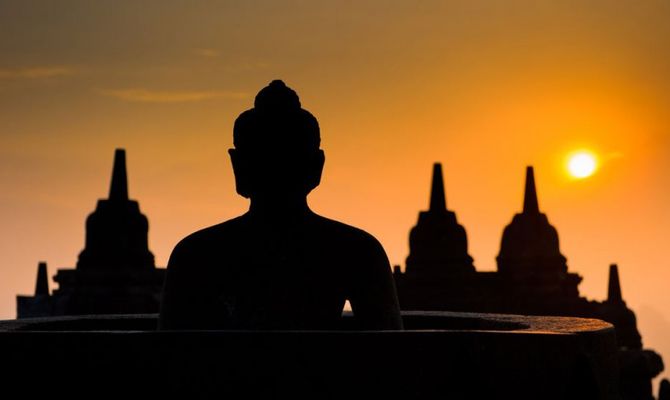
[
  {"x": 315, "y": 170},
  {"x": 241, "y": 171}
]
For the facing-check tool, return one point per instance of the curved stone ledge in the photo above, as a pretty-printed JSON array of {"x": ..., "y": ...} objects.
[{"x": 439, "y": 355}]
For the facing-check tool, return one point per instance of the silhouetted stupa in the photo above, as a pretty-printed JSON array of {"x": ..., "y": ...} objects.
[
  {"x": 116, "y": 232},
  {"x": 530, "y": 255},
  {"x": 438, "y": 244},
  {"x": 615, "y": 311},
  {"x": 529, "y": 245},
  {"x": 115, "y": 273}
]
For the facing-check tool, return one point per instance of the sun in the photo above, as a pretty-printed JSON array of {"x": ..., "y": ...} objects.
[{"x": 582, "y": 164}]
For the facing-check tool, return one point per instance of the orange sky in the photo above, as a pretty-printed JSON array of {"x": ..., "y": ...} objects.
[{"x": 485, "y": 87}]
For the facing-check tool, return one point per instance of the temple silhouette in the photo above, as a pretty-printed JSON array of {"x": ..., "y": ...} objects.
[
  {"x": 115, "y": 273},
  {"x": 532, "y": 276},
  {"x": 532, "y": 279}
]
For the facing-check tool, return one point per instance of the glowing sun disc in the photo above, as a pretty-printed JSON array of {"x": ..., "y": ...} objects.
[{"x": 582, "y": 165}]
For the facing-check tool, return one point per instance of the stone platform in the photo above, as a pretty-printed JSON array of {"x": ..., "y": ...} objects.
[{"x": 440, "y": 355}]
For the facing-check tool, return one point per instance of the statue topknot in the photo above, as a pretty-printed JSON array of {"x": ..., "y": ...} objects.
[
  {"x": 277, "y": 97},
  {"x": 277, "y": 121}
]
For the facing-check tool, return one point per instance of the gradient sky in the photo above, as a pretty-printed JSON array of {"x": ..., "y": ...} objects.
[{"x": 485, "y": 87}]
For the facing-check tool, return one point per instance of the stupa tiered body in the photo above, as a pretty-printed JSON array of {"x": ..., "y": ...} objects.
[
  {"x": 532, "y": 279},
  {"x": 438, "y": 243},
  {"x": 115, "y": 273}
]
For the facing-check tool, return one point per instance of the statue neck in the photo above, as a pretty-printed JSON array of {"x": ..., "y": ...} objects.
[{"x": 279, "y": 209}]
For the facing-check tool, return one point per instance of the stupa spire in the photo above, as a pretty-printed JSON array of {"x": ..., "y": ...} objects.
[
  {"x": 530, "y": 204},
  {"x": 614, "y": 287},
  {"x": 42, "y": 285},
  {"x": 438, "y": 200},
  {"x": 118, "y": 189}
]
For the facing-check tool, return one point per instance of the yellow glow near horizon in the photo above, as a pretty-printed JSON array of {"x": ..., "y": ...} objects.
[{"x": 582, "y": 164}]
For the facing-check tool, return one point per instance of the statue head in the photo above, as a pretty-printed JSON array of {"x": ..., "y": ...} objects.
[{"x": 276, "y": 152}]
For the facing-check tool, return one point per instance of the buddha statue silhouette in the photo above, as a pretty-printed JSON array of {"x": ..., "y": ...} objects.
[{"x": 280, "y": 265}]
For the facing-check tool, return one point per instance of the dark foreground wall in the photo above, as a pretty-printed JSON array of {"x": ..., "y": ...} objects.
[{"x": 440, "y": 355}]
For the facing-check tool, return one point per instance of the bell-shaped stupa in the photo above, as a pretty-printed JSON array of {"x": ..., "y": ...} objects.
[
  {"x": 438, "y": 243},
  {"x": 117, "y": 232},
  {"x": 530, "y": 246}
]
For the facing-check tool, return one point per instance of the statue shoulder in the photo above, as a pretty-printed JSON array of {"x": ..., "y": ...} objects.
[
  {"x": 350, "y": 237},
  {"x": 202, "y": 243}
]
